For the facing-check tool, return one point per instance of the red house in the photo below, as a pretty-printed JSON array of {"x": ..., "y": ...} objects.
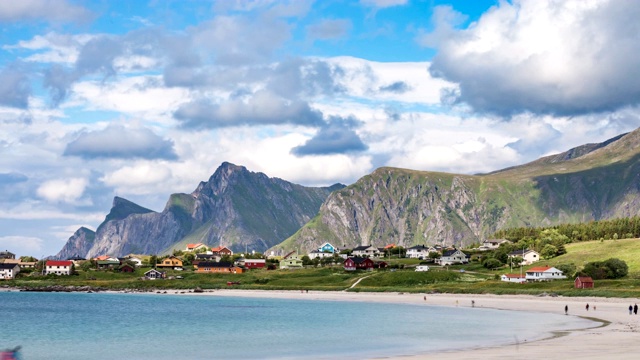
[
  {"x": 583, "y": 282},
  {"x": 254, "y": 263},
  {"x": 358, "y": 263},
  {"x": 222, "y": 251}
]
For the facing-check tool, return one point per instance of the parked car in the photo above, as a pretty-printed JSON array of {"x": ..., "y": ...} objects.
[{"x": 422, "y": 268}]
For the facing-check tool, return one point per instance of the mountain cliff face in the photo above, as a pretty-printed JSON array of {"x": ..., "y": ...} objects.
[
  {"x": 78, "y": 244},
  {"x": 591, "y": 182},
  {"x": 235, "y": 208}
]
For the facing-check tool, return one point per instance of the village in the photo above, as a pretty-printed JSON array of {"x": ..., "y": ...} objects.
[{"x": 201, "y": 259}]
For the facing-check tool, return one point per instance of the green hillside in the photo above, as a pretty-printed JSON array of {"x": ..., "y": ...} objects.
[{"x": 581, "y": 253}]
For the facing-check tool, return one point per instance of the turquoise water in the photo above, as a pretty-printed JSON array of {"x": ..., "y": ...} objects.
[{"x": 151, "y": 326}]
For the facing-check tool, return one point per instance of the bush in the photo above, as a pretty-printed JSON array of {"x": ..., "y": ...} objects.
[
  {"x": 492, "y": 263},
  {"x": 567, "y": 269},
  {"x": 609, "y": 269}
]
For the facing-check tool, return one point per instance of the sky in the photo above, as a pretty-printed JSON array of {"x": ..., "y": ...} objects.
[{"x": 142, "y": 99}]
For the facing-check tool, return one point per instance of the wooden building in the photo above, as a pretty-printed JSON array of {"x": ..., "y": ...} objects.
[{"x": 583, "y": 282}]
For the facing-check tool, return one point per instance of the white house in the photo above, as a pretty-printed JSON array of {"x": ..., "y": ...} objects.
[
  {"x": 365, "y": 251},
  {"x": 528, "y": 256},
  {"x": 420, "y": 251},
  {"x": 196, "y": 247},
  {"x": 319, "y": 254},
  {"x": 516, "y": 278},
  {"x": 544, "y": 273},
  {"x": 155, "y": 274},
  {"x": 450, "y": 257},
  {"x": 58, "y": 267},
  {"x": 135, "y": 260},
  {"x": 328, "y": 248},
  {"x": 491, "y": 244},
  {"x": 8, "y": 271}
]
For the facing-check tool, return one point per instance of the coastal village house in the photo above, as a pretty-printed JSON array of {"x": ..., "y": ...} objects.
[
  {"x": 450, "y": 257},
  {"x": 358, "y": 263},
  {"x": 154, "y": 274},
  {"x": 291, "y": 262},
  {"x": 196, "y": 247},
  {"x": 22, "y": 264},
  {"x": 528, "y": 256},
  {"x": 516, "y": 278},
  {"x": 491, "y": 244},
  {"x": 58, "y": 267},
  {"x": 583, "y": 282},
  {"x": 251, "y": 263},
  {"x": 8, "y": 271},
  {"x": 420, "y": 252},
  {"x": 366, "y": 251},
  {"x": 221, "y": 251},
  {"x": 134, "y": 259},
  {"x": 328, "y": 248},
  {"x": 544, "y": 273},
  {"x": 217, "y": 267},
  {"x": 319, "y": 254},
  {"x": 172, "y": 262},
  {"x": 7, "y": 255}
]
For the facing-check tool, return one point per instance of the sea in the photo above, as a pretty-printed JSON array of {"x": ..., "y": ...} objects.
[{"x": 107, "y": 326}]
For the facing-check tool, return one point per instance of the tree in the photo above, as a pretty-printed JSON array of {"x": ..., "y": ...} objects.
[
  {"x": 549, "y": 251},
  {"x": 617, "y": 268},
  {"x": 567, "y": 269},
  {"x": 153, "y": 260},
  {"x": 434, "y": 255},
  {"x": 610, "y": 269},
  {"x": 187, "y": 259},
  {"x": 306, "y": 260},
  {"x": 492, "y": 263},
  {"x": 28, "y": 259},
  {"x": 87, "y": 265}
]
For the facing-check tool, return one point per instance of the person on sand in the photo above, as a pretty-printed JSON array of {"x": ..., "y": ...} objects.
[
  {"x": 473, "y": 303},
  {"x": 425, "y": 298},
  {"x": 566, "y": 309},
  {"x": 630, "y": 309},
  {"x": 587, "y": 307},
  {"x": 635, "y": 309}
]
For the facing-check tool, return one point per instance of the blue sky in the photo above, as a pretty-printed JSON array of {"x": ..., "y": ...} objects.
[{"x": 143, "y": 99}]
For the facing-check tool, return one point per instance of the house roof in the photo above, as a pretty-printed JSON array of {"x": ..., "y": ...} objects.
[
  {"x": 361, "y": 247},
  {"x": 540, "y": 269},
  {"x": 7, "y": 266},
  {"x": 221, "y": 264},
  {"x": 59, "y": 263},
  {"x": 193, "y": 246},
  {"x": 154, "y": 270},
  {"x": 220, "y": 248},
  {"x": 390, "y": 246},
  {"x": 521, "y": 252},
  {"x": 102, "y": 257},
  {"x": 359, "y": 260},
  {"x": 451, "y": 252},
  {"x": 419, "y": 247}
]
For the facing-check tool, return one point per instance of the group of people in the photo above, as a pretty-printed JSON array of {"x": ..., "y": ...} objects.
[{"x": 633, "y": 309}]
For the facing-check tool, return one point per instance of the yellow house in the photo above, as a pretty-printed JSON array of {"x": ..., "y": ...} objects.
[{"x": 171, "y": 262}]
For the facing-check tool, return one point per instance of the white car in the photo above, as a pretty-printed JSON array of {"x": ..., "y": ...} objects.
[{"x": 422, "y": 268}]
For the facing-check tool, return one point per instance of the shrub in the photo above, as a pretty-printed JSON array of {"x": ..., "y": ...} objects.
[{"x": 610, "y": 269}]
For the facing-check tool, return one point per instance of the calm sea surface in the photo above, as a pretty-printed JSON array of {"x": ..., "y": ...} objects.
[{"x": 155, "y": 327}]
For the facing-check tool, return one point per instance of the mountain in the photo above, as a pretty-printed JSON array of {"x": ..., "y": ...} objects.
[
  {"x": 406, "y": 207},
  {"x": 236, "y": 208}
]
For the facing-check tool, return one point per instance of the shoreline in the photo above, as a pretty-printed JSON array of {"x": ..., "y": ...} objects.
[{"x": 616, "y": 335}]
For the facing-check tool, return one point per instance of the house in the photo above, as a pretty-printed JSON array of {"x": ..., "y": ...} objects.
[
  {"x": 171, "y": 262},
  {"x": 379, "y": 264},
  {"x": 328, "y": 248},
  {"x": 196, "y": 247},
  {"x": 516, "y": 278},
  {"x": 22, "y": 264},
  {"x": 222, "y": 251},
  {"x": 127, "y": 268},
  {"x": 107, "y": 264},
  {"x": 217, "y": 267},
  {"x": 7, "y": 255},
  {"x": 8, "y": 271},
  {"x": 528, "y": 256},
  {"x": 583, "y": 282},
  {"x": 366, "y": 250},
  {"x": 544, "y": 273},
  {"x": 155, "y": 274},
  {"x": 251, "y": 263},
  {"x": 319, "y": 254},
  {"x": 77, "y": 260},
  {"x": 491, "y": 244},
  {"x": 419, "y": 252},
  {"x": 58, "y": 267},
  {"x": 358, "y": 263},
  {"x": 135, "y": 260},
  {"x": 450, "y": 257},
  {"x": 291, "y": 262},
  {"x": 105, "y": 258},
  {"x": 207, "y": 257}
]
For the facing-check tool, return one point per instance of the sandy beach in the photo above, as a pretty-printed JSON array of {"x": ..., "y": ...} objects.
[{"x": 616, "y": 335}]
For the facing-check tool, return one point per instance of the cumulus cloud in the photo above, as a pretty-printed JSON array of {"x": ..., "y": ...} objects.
[
  {"x": 397, "y": 87},
  {"x": 263, "y": 108},
  {"x": 329, "y": 29},
  {"x": 544, "y": 57},
  {"x": 138, "y": 178},
  {"x": 337, "y": 137},
  {"x": 116, "y": 141},
  {"x": 46, "y": 10},
  {"x": 383, "y": 3},
  {"x": 62, "y": 190},
  {"x": 26, "y": 245},
  {"x": 15, "y": 87}
]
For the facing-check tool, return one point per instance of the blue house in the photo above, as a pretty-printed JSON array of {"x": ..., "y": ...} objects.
[{"x": 328, "y": 248}]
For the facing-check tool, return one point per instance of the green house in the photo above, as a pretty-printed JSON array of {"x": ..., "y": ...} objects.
[{"x": 291, "y": 262}]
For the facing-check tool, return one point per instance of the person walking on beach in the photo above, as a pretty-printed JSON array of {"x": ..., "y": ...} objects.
[
  {"x": 566, "y": 309},
  {"x": 630, "y": 309},
  {"x": 473, "y": 303},
  {"x": 635, "y": 309},
  {"x": 587, "y": 307}
]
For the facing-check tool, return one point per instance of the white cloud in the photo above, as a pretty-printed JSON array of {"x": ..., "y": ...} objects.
[
  {"x": 49, "y": 10},
  {"x": 143, "y": 177},
  {"x": 22, "y": 245},
  {"x": 62, "y": 190},
  {"x": 546, "y": 57}
]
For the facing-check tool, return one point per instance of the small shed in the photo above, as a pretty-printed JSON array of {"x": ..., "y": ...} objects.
[{"x": 583, "y": 282}]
